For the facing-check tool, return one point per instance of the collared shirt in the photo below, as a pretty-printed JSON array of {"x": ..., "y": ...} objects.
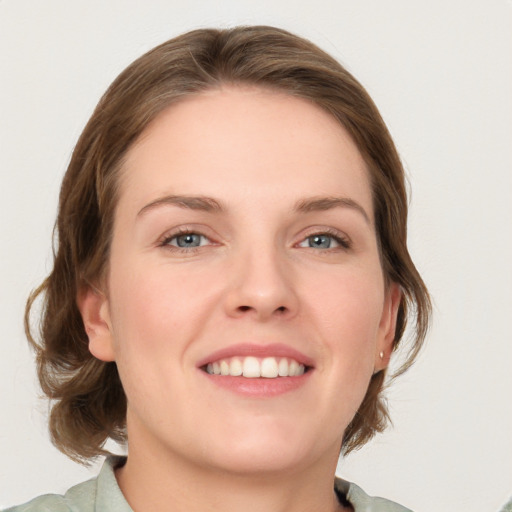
[{"x": 102, "y": 494}]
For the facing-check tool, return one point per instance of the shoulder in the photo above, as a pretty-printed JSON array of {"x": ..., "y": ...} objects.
[
  {"x": 98, "y": 494},
  {"x": 362, "y": 502},
  {"x": 507, "y": 507},
  {"x": 79, "y": 498}
]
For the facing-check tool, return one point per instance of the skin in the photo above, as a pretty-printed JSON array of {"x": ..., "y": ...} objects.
[{"x": 256, "y": 277}]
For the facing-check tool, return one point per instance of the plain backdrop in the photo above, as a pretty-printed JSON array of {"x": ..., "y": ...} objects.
[{"x": 440, "y": 72}]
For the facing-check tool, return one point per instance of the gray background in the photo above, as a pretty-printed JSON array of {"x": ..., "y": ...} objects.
[{"x": 441, "y": 73}]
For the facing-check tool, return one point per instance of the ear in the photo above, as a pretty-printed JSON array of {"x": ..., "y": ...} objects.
[
  {"x": 387, "y": 326},
  {"x": 94, "y": 308}
]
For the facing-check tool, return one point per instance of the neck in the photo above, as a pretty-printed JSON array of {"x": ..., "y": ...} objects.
[{"x": 158, "y": 481}]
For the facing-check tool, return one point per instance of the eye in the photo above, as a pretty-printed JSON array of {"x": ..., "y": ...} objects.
[
  {"x": 325, "y": 241},
  {"x": 187, "y": 240}
]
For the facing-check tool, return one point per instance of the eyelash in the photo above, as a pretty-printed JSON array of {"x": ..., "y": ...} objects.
[
  {"x": 166, "y": 241},
  {"x": 343, "y": 241}
]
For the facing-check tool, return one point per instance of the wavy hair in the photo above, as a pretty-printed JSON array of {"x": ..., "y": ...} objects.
[{"x": 88, "y": 404}]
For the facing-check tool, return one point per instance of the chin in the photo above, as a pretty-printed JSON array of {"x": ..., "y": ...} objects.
[
  {"x": 261, "y": 461},
  {"x": 265, "y": 449}
]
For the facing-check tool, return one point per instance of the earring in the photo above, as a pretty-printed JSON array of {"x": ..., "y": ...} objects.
[{"x": 381, "y": 355}]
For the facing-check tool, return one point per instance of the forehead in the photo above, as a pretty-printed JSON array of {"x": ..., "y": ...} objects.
[{"x": 243, "y": 142}]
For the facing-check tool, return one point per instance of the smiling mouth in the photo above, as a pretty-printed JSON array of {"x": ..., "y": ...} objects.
[{"x": 252, "y": 367}]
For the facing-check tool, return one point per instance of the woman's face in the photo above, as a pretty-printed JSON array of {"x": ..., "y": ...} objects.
[{"x": 244, "y": 242}]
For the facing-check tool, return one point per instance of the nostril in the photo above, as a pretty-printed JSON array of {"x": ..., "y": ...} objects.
[{"x": 280, "y": 309}]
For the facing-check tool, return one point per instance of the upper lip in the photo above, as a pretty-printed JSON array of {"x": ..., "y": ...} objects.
[{"x": 257, "y": 350}]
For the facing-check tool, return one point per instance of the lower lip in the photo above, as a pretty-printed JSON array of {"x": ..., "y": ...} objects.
[{"x": 259, "y": 387}]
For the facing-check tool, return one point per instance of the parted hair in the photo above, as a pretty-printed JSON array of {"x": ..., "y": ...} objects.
[{"x": 88, "y": 403}]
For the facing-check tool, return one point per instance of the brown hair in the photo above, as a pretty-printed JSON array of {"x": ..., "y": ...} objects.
[{"x": 88, "y": 401}]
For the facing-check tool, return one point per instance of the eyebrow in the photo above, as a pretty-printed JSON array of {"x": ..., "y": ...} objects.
[
  {"x": 208, "y": 204},
  {"x": 202, "y": 203},
  {"x": 316, "y": 204}
]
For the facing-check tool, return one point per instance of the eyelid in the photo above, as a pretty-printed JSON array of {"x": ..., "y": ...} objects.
[
  {"x": 341, "y": 237},
  {"x": 169, "y": 240},
  {"x": 344, "y": 241},
  {"x": 163, "y": 241}
]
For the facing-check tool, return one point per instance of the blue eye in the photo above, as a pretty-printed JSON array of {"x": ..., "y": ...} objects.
[
  {"x": 187, "y": 240},
  {"x": 320, "y": 241},
  {"x": 324, "y": 241}
]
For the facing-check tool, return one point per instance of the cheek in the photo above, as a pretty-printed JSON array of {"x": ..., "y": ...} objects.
[
  {"x": 158, "y": 310},
  {"x": 347, "y": 310},
  {"x": 153, "y": 321},
  {"x": 143, "y": 308},
  {"x": 350, "y": 301}
]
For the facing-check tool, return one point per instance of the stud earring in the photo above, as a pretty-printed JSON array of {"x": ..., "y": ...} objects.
[{"x": 381, "y": 355}]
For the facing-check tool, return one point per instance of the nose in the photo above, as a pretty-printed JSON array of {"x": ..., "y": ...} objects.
[{"x": 262, "y": 287}]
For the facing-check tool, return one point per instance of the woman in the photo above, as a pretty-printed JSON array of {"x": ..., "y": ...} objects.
[{"x": 230, "y": 282}]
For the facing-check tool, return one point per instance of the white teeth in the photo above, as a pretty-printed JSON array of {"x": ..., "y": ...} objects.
[
  {"x": 252, "y": 367},
  {"x": 235, "y": 368},
  {"x": 269, "y": 368},
  {"x": 283, "y": 368},
  {"x": 224, "y": 368}
]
